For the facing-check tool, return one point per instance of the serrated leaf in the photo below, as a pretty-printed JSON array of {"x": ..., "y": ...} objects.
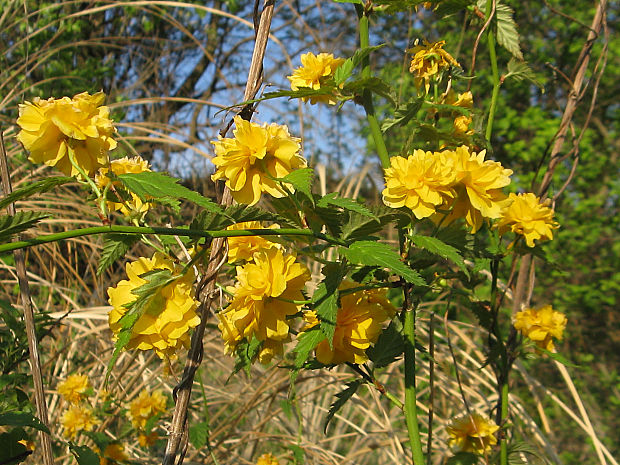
[
  {"x": 306, "y": 343},
  {"x": 198, "y": 434},
  {"x": 379, "y": 254},
  {"x": 507, "y": 34},
  {"x": 246, "y": 353},
  {"x": 438, "y": 247},
  {"x": 520, "y": 71},
  {"x": 115, "y": 246},
  {"x": 341, "y": 398},
  {"x": 394, "y": 6},
  {"x": 302, "y": 92},
  {"x": 403, "y": 114},
  {"x": 347, "y": 204},
  {"x": 22, "y": 419},
  {"x": 301, "y": 180},
  {"x": 372, "y": 84},
  {"x": 32, "y": 188},
  {"x": 388, "y": 348},
  {"x": 84, "y": 455},
  {"x": 150, "y": 185},
  {"x": 360, "y": 226},
  {"x": 325, "y": 300},
  {"x": 450, "y": 7},
  {"x": 11, "y": 225},
  {"x": 344, "y": 71}
]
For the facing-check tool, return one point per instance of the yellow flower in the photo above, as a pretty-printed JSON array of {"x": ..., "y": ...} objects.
[
  {"x": 461, "y": 126},
  {"x": 168, "y": 329},
  {"x": 267, "y": 459},
  {"x": 478, "y": 183},
  {"x": 74, "y": 388},
  {"x": 244, "y": 247},
  {"x": 251, "y": 160},
  {"x": 77, "y": 418},
  {"x": 528, "y": 216},
  {"x": 55, "y": 129},
  {"x": 125, "y": 165},
  {"x": 420, "y": 182},
  {"x": 113, "y": 453},
  {"x": 464, "y": 100},
  {"x": 261, "y": 302},
  {"x": 472, "y": 433},
  {"x": 314, "y": 71},
  {"x": 148, "y": 440},
  {"x": 146, "y": 406},
  {"x": 359, "y": 322},
  {"x": 428, "y": 61},
  {"x": 541, "y": 325},
  {"x": 29, "y": 445}
]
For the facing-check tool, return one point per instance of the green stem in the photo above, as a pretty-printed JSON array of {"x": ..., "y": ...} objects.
[
  {"x": 494, "y": 70},
  {"x": 8, "y": 247},
  {"x": 369, "y": 108},
  {"x": 411, "y": 409},
  {"x": 503, "y": 444}
]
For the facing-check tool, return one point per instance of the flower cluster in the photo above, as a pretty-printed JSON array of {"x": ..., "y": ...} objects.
[
  {"x": 132, "y": 205},
  {"x": 146, "y": 406},
  {"x": 168, "y": 329},
  {"x": 313, "y": 72},
  {"x": 75, "y": 388},
  {"x": 113, "y": 454},
  {"x": 359, "y": 322},
  {"x": 252, "y": 162},
  {"x": 267, "y": 459},
  {"x": 528, "y": 217},
  {"x": 78, "y": 418},
  {"x": 56, "y": 131},
  {"x": 541, "y": 325},
  {"x": 472, "y": 433},
  {"x": 428, "y": 61},
  {"x": 243, "y": 248},
  {"x": 460, "y": 181},
  {"x": 262, "y": 300}
]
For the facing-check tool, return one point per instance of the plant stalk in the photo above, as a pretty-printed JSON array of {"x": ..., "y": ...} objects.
[
  {"x": 503, "y": 444},
  {"x": 496, "y": 82}
]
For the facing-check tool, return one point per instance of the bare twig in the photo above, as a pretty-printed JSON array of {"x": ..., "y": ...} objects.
[
  {"x": 207, "y": 288},
  {"x": 24, "y": 292}
]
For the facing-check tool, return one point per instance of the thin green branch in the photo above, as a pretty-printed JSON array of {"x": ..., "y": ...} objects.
[
  {"x": 411, "y": 408},
  {"x": 490, "y": 9},
  {"x": 164, "y": 232}
]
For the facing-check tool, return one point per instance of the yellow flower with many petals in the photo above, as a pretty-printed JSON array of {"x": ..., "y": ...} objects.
[
  {"x": 313, "y": 72},
  {"x": 251, "y": 160},
  {"x": 528, "y": 216},
  {"x": 145, "y": 406},
  {"x": 541, "y": 325},
  {"x": 428, "y": 61},
  {"x": 461, "y": 126},
  {"x": 472, "y": 433},
  {"x": 420, "y": 182},
  {"x": 113, "y": 454},
  {"x": 77, "y": 418},
  {"x": 359, "y": 322},
  {"x": 54, "y": 130},
  {"x": 74, "y": 388},
  {"x": 133, "y": 205},
  {"x": 267, "y": 459},
  {"x": 478, "y": 184},
  {"x": 148, "y": 440},
  {"x": 165, "y": 329},
  {"x": 244, "y": 247},
  {"x": 262, "y": 300}
]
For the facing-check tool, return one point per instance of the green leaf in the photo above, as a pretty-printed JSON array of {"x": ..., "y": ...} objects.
[
  {"x": 217, "y": 221},
  {"x": 450, "y": 7},
  {"x": 11, "y": 450},
  {"x": 403, "y": 114},
  {"x": 558, "y": 357},
  {"x": 359, "y": 2},
  {"x": 373, "y": 84},
  {"x": 84, "y": 454},
  {"x": 246, "y": 353},
  {"x": 394, "y": 6},
  {"x": 379, "y": 254},
  {"x": 341, "y": 398},
  {"x": 150, "y": 185},
  {"x": 325, "y": 300},
  {"x": 520, "y": 71},
  {"x": 22, "y": 419},
  {"x": 115, "y": 246},
  {"x": 306, "y": 343},
  {"x": 507, "y": 34},
  {"x": 32, "y": 188},
  {"x": 361, "y": 226},
  {"x": 299, "y": 453},
  {"x": 11, "y": 225},
  {"x": 325, "y": 89},
  {"x": 388, "y": 348},
  {"x": 463, "y": 458},
  {"x": 199, "y": 434},
  {"x": 301, "y": 181},
  {"x": 438, "y": 247},
  {"x": 344, "y": 71},
  {"x": 347, "y": 204}
]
